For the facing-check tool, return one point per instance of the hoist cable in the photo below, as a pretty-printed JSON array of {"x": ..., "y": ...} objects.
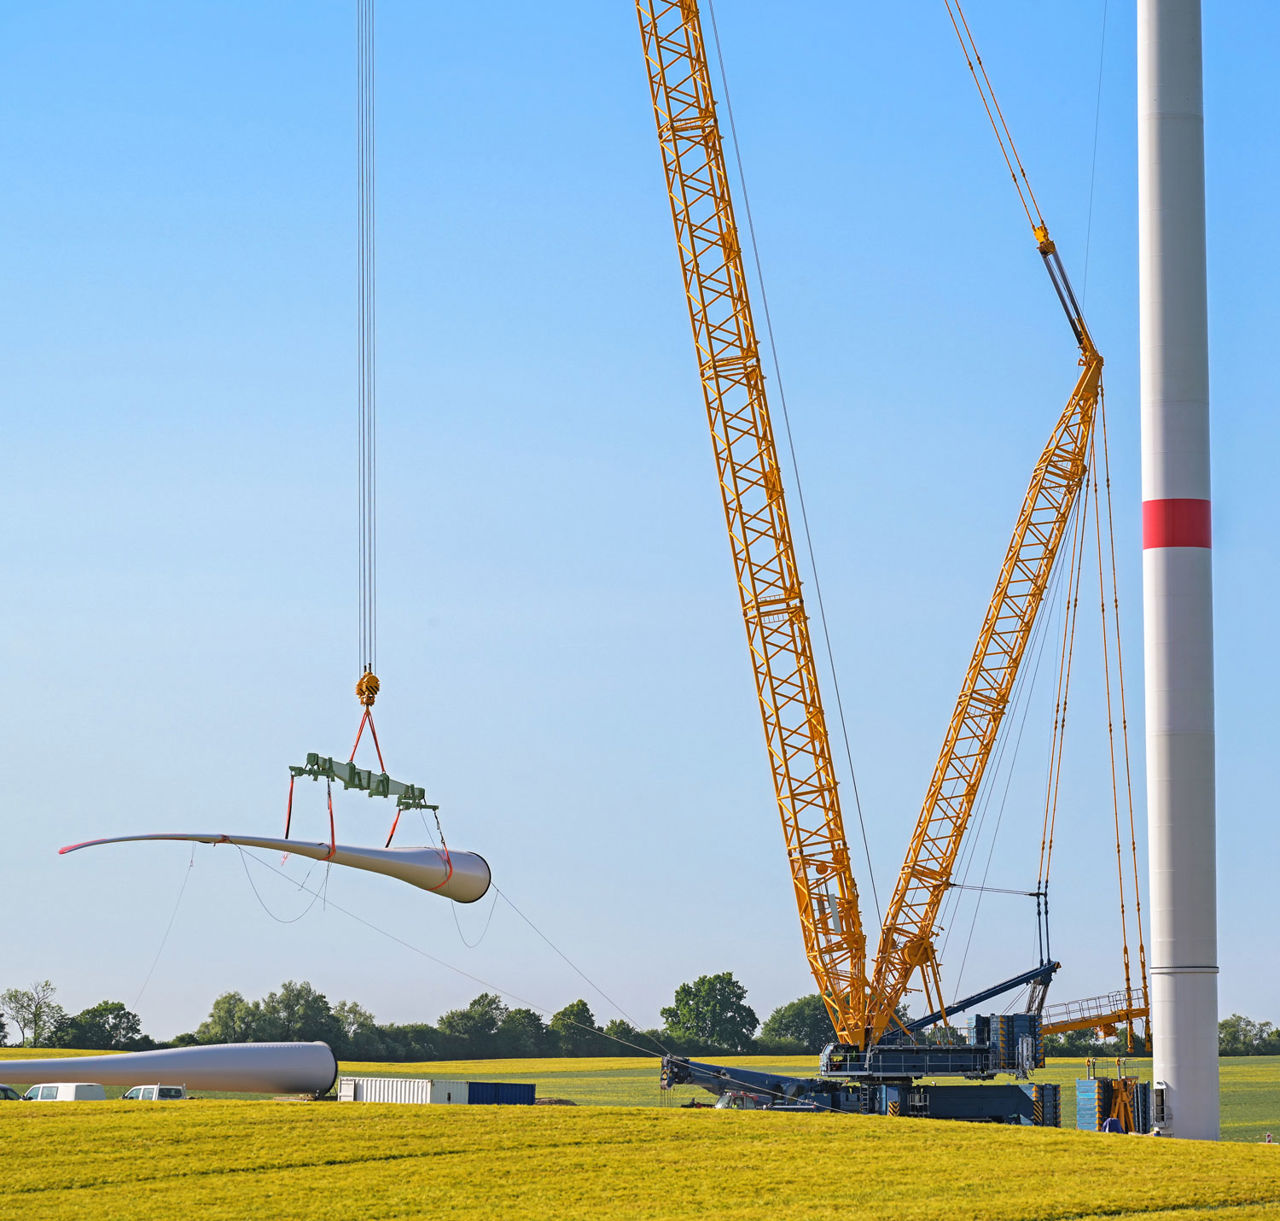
[
  {"x": 1124, "y": 712},
  {"x": 791, "y": 447},
  {"x": 1093, "y": 165},
  {"x": 366, "y": 447},
  {"x": 994, "y": 114},
  {"x": 1066, "y": 658},
  {"x": 1111, "y": 741}
]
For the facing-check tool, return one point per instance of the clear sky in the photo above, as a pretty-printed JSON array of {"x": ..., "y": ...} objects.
[{"x": 561, "y": 648}]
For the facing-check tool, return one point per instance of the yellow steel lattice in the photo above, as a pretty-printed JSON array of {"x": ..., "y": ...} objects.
[{"x": 755, "y": 508}]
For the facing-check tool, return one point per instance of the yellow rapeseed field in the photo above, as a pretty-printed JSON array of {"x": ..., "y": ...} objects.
[{"x": 284, "y": 1160}]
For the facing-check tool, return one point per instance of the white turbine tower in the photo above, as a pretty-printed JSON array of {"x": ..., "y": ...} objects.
[{"x": 1177, "y": 574}]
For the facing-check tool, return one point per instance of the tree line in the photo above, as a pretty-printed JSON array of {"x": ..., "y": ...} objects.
[{"x": 707, "y": 1017}]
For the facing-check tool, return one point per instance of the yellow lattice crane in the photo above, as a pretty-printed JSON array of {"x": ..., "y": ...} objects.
[
  {"x": 755, "y": 508},
  {"x": 862, "y": 1007}
]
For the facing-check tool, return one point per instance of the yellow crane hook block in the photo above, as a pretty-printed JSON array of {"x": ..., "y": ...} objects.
[{"x": 376, "y": 784}]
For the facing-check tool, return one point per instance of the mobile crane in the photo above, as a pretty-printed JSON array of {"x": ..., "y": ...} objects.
[{"x": 875, "y": 1061}]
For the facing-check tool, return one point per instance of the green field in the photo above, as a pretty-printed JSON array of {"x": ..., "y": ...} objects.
[
  {"x": 624, "y": 1150},
  {"x": 1250, "y": 1084},
  {"x": 281, "y": 1160}
]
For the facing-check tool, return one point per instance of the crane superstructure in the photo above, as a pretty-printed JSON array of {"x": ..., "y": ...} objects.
[{"x": 862, "y": 1006}]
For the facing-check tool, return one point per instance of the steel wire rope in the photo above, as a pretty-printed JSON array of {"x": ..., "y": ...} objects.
[
  {"x": 366, "y": 295},
  {"x": 1026, "y": 688},
  {"x": 1065, "y": 667},
  {"x": 173, "y": 915},
  {"x": 472, "y": 945},
  {"x": 991, "y": 104},
  {"x": 1093, "y": 167},
  {"x": 1023, "y": 688},
  {"x": 791, "y": 448},
  {"x": 971, "y": 841},
  {"x": 484, "y": 983},
  {"x": 590, "y": 983},
  {"x": 1124, "y": 713},
  {"x": 1111, "y": 745},
  {"x": 315, "y": 894},
  {"x": 507, "y": 994}
]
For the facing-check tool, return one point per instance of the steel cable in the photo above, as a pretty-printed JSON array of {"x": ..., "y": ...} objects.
[
  {"x": 366, "y": 446},
  {"x": 791, "y": 447}
]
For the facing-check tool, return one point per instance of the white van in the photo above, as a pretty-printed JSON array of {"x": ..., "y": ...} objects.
[
  {"x": 156, "y": 1093},
  {"x": 66, "y": 1091}
]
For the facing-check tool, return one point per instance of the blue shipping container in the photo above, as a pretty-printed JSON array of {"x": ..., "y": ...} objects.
[
  {"x": 504, "y": 1093},
  {"x": 520, "y": 1094}
]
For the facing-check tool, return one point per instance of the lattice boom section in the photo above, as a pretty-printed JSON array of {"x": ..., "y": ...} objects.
[
  {"x": 755, "y": 508},
  {"x": 906, "y": 939}
]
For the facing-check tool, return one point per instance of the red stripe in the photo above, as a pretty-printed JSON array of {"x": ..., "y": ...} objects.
[{"x": 1175, "y": 523}]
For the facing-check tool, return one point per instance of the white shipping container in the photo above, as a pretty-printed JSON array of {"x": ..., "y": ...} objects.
[{"x": 420, "y": 1090}]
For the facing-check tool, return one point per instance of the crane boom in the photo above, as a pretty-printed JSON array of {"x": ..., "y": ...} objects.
[
  {"x": 906, "y": 938},
  {"x": 755, "y": 507}
]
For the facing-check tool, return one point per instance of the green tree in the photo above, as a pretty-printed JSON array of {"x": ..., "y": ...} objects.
[
  {"x": 107, "y": 1026},
  {"x": 1242, "y": 1036},
  {"x": 360, "y": 1038},
  {"x": 298, "y": 1013},
  {"x": 411, "y": 1043},
  {"x": 804, "y": 1022},
  {"x": 233, "y": 1020},
  {"x": 712, "y": 1012},
  {"x": 473, "y": 1030},
  {"x": 576, "y": 1031},
  {"x": 522, "y": 1032},
  {"x": 352, "y": 1017},
  {"x": 34, "y": 1012},
  {"x": 626, "y": 1040},
  {"x": 4, "y": 1033}
]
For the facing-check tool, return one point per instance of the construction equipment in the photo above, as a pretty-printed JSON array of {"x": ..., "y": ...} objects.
[
  {"x": 874, "y": 1046},
  {"x": 1122, "y": 1103}
]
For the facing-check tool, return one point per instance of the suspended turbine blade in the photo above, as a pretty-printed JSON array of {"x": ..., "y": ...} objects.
[{"x": 461, "y": 876}]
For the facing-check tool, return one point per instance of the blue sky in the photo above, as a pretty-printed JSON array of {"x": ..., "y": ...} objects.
[{"x": 560, "y": 642}]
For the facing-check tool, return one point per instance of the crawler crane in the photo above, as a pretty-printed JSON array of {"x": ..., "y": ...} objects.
[{"x": 875, "y": 1060}]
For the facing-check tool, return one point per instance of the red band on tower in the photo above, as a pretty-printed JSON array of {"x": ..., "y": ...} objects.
[{"x": 1175, "y": 523}]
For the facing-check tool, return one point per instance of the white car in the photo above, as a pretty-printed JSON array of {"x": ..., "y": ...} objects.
[
  {"x": 155, "y": 1093},
  {"x": 66, "y": 1091}
]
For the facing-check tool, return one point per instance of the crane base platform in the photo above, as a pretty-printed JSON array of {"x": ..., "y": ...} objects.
[{"x": 886, "y": 1079}]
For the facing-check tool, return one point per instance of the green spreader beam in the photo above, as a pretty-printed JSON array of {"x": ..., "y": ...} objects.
[{"x": 376, "y": 784}]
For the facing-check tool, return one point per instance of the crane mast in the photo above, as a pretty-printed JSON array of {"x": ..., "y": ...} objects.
[{"x": 733, "y": 387}]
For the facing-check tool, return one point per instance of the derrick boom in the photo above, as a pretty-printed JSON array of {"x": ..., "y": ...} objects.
[
  {"x": 906, "y": 939},
  {"x": 755, "y": 507}
]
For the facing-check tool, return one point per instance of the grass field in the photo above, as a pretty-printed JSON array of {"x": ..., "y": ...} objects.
[
  {"x": 622, "y": 1151},
  {"x": 1250, "y": 1084},
  {"x": 285, "y": 1161}
]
